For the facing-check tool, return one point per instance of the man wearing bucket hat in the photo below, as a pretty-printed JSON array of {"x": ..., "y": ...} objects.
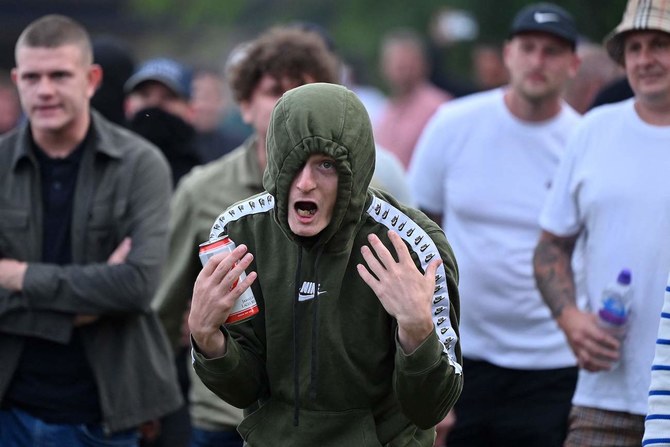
[
  {"x": 612, "y": 189},
  {"x": 513, "y": 350}
]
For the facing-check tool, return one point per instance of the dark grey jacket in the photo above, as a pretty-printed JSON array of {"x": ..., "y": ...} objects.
[{"x": 123, "y": 189}]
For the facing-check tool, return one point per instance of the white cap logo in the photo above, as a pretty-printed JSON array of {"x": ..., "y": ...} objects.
[{"x": 544, "y": 17}]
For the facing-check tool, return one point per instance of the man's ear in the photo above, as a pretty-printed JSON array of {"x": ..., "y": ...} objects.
[
  {"x": 574, "y": 65},
  {"x": 94, "y": 78}
]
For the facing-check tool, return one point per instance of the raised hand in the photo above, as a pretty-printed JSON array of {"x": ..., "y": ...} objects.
[{"x": 402, "y": 289}]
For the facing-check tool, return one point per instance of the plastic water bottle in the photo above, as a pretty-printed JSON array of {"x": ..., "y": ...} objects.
[{"x": 615, "y": 306}]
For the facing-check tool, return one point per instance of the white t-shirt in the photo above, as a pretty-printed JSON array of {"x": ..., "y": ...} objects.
[
  {"x": 613, "y": 186},
  {"x": 390, "y": 176},
  {"x": 487, "y": 173}
]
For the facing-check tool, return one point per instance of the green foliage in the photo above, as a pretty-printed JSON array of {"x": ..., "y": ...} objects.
[
  {"x": 189, "y": 14},
  {"x": 594, "y": 17},
  {"x": 357, "y": 25}
]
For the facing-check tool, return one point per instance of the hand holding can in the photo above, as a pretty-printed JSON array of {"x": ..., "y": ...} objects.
[
  {"x": 214, "y": 298},
  {"x": 245, "y": 307}
]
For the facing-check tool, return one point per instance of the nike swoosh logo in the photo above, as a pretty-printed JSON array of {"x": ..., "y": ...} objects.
[
  {"x": 544, "y": 17},
  {"x": 309, "y": 296}
]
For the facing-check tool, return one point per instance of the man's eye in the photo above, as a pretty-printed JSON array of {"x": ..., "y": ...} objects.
[
  {"x": 553, "y": 51},
  {"x": 632, "y": 48},
  {"x": 527, "y": 47},
  {"x": 328, "y": 164}
]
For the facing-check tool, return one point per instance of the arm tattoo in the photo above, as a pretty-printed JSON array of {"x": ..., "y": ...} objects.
[{"x": 553, "y": 271}]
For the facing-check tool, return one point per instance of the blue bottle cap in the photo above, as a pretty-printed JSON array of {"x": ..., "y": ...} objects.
[{"x": 624, "y": 277}]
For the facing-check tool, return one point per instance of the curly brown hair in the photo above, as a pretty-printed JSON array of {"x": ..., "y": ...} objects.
[{"x": 283, "y": 53}]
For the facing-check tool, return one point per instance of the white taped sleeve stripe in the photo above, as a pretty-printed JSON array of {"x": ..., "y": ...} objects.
[
  {"x": 259, "y": 203},
  {"x": 419, "y": 241}
]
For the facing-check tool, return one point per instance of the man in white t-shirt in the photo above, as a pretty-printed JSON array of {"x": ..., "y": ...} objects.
[
  {"x": 612, "y": 189},
  {"x": 482, "y": 169}
]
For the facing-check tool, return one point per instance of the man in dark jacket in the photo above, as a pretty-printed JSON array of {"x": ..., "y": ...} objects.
[
  {"x": 84, "y": 208},
  {"x": 355, "y": 343}
]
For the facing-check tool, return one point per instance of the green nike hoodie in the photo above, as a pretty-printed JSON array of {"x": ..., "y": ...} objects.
[{"x": 321, "y": 364}]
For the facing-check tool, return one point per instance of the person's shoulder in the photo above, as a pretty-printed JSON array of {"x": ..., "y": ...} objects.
[
  {"x": 423, "y": 236},
  {"x": 607, "y": 115},
  {"x": 391, "y": 214},
  {"x": 610, "y": 109},
  {"x": 387, "y": 160},
  {"x": 478, "y": 99},
  {"x": 262, "y": 203},
  {"x": 569, "y": 113},
  {"x": 140, "y": 159},
  {"x": 220, "y": 170},
  {"x": 472, "y": 104},
  {"x": 432, "y": 92},
  {"x": 119, "y": 141},
  {"x": 8, "y": 143}
]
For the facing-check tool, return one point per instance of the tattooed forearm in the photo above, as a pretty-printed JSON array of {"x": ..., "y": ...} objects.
[{"x": 553, "y": 271}]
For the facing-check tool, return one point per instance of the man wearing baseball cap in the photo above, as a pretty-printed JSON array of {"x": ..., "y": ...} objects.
[
  {"x": 612, "y": 190},
  {"x": 545, "y": 18},
  {"x": 158, "y": 108},
  {"x": 492, "y": 156}
]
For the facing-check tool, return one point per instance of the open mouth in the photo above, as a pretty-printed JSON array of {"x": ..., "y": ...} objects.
[{"x": 305, "y": 209}]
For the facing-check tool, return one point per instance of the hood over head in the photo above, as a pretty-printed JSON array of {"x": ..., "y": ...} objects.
[{"x": 326, "y": 119}]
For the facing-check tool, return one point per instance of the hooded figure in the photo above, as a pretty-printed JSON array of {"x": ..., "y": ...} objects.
[{"x": 323, "y": 359}]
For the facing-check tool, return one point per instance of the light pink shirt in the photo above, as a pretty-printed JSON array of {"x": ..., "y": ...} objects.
[{"x": 402, "y": 120}]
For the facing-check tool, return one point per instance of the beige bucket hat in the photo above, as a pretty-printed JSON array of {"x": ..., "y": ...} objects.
[{"x": 639, "y": 15}]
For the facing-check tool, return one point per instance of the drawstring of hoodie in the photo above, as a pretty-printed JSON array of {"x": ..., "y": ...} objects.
[
  {"x": 296, "y": 337},
  {"x": 314, "y": 361},
  {"x": 315, "y": 329}
]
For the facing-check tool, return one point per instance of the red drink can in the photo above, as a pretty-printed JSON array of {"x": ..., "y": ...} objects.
[{"x": 245, "y": 307}]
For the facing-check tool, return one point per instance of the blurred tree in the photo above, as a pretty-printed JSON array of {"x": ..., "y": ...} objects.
[{"x": 357, "y": 25}]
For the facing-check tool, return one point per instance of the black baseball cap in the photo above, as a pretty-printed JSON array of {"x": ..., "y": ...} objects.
[{"x": 545, "y": 18}]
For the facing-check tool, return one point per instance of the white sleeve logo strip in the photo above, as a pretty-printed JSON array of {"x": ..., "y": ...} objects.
[
  {"x": 257, "y": 204},
  {"x": 393, "y": 219}
]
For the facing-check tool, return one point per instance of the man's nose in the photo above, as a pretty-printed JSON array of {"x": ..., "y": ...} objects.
[
  {"x": 305, "y": 180},
  {"x": 153, "y": 100},
  {"x": 646, "y": 55},
  {"x": 45, "y": 86},
  {"x": 538, "y": 57}
]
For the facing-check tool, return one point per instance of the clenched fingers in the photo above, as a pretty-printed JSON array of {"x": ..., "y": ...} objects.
[{"x": 217, "y": 287}]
